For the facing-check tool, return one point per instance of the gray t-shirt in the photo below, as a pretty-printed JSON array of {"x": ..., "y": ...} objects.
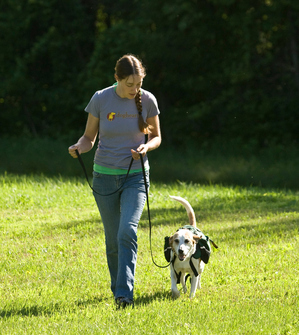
[{"x": 118, "y": 128}]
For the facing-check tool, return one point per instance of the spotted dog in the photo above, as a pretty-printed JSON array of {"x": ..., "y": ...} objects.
[{"x": 187, "y": 250}]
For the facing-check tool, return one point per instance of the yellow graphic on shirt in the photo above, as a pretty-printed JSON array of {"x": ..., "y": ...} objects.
[{"x": 111, "y": 116}]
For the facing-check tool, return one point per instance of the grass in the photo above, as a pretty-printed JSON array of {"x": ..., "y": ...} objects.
[{"x": 54, "y": 277}]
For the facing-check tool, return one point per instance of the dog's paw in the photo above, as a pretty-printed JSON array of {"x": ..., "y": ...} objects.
[
  {"x": 175, "y": 294},
  {"x": 192, "y": 295}
]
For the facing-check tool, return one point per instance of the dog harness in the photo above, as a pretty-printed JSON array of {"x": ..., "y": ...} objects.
[{"x": 203, "y": 249}]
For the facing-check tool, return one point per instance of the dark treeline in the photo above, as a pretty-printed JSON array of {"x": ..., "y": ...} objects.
[{"x": 220, "y": 69}]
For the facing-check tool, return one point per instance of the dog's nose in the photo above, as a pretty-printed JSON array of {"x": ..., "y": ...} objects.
[{"x": 181, "y": 251}]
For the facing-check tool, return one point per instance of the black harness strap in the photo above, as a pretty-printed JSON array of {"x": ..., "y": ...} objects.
[
  {"x": 178, "y": 275},
  {"x": 193, "y": 267}
]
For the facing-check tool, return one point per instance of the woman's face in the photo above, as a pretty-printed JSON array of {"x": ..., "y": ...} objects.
[{"x": 128, "y": 87}]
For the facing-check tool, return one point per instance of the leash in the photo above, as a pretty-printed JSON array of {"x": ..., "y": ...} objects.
[
  {"x": 149, "y": 217},
  {"x": 86, "y": 176},
  {"x": 146, "y": 192}
]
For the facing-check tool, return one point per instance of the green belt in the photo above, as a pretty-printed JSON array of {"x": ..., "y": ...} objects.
[{"x": 106, "y": 170}]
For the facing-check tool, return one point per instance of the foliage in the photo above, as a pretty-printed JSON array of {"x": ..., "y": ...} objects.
[
  {"x": 220, "y": 68},
  {"x": 54, "y": 277},
  {"x": 44, "y": 46}
]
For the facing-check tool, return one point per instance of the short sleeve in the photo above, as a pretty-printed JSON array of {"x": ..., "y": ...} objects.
[
  {"x": 151, "y": 104},
  {"x": 93, "y": 106}
]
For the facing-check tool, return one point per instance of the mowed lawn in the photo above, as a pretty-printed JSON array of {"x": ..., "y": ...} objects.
[{"x": 54, "y": 277}]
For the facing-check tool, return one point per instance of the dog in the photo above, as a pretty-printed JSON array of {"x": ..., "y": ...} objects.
[{"x": 183, "y": 246}]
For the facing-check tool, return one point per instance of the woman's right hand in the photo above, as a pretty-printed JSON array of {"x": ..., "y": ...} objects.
[
  {"x": 86, "y": 142},
  {"x": 72, "y": 150}
]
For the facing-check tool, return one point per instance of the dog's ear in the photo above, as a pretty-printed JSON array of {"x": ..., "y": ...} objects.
[
  {"x": 167, "y": 249},
  {"x": 170, "y": 240},
  {"x": 196, "y": 238}
]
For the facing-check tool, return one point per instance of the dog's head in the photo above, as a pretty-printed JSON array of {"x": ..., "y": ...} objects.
[{"x": 183, "y": 243}]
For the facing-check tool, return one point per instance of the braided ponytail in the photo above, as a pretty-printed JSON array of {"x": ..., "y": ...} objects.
[
  {"x": 130, "y": 65},
  {"x": 143, "y": 126}
]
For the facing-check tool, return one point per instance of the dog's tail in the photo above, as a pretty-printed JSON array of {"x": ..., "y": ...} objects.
[{"x": 189, "y": 209}]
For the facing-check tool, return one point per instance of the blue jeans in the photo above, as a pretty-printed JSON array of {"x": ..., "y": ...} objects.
[{"x": 120, "y": 213}]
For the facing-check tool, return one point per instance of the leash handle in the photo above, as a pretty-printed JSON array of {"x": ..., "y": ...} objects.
[{"x": 149, "y": 216}]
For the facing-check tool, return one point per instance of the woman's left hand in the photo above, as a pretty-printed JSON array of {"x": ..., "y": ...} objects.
[{"x": 142, "y": 149}]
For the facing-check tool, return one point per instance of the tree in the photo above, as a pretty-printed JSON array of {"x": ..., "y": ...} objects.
[
  {"x": 45, "y": 46},
  {"x": 220, "y": 68}
]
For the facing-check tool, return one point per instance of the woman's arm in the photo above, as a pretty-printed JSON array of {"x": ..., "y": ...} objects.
[
  {"x": 86, "y": 142},
  {"x": 154, "y": 138}
]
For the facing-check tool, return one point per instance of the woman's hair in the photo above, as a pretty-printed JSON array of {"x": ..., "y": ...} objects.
[{"x": 130, "y": 65}]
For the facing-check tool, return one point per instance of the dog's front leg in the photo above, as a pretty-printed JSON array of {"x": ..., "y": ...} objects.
[
  {"x": 183, "y": 282},
  {"x": 199, "y": 281},
  {"x": 200, "y": 270},
  {"x": 194, "y": 283},
  {"x": 174, "y": 288}
]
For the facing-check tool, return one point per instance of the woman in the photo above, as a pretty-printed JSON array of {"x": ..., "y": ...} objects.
[{"x": 122, "y": 114}]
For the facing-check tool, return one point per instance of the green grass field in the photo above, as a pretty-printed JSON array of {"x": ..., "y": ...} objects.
[{"x": 54, "y": 277}]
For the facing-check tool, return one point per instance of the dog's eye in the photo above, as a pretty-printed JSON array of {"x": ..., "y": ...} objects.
[
  {"x": 176, "y": 240},
  {"x": 187, "y": 241}
]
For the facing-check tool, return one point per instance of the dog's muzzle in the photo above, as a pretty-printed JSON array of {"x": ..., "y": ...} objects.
[{"x": 181, "y": 255}]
